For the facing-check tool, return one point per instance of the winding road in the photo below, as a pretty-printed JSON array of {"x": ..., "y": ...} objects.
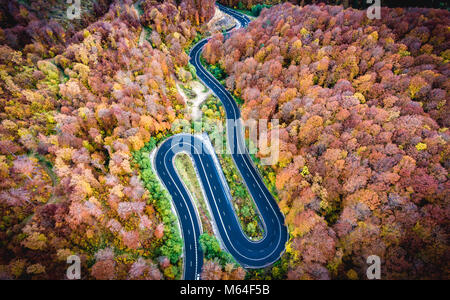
[{"x": 250, "y": 254}]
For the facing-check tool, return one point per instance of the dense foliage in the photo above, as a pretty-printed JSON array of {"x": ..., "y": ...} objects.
[
  {"x": 364, "y": 115},
  {"x": 219, "y": 263},
  {"x": 72, "y": 113},
  {"x": 364, "y": 139},
  {"x": 360, "y": 4},
  {"x": 45, "y": 21}
]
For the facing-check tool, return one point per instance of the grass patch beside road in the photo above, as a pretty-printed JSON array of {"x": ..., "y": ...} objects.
[
  {"x": 188, "y": 91},
  {"x": 185, "y": 169}
]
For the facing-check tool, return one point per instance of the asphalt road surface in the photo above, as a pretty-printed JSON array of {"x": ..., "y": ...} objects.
[{"x": 250, "y": 254}]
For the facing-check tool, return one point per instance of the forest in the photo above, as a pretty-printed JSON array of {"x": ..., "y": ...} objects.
[
  {"x": 364, "y": 119},
  {"x": 364, "y": 116},
  {"x": 79, "y": 104}
]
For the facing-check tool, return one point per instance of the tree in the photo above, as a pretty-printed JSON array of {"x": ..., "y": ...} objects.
[
  {"x": 211, "y": 270},
  {"x": 104, "y": 270}
]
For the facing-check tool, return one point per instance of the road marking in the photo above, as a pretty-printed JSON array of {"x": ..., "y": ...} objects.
[{"x": 243, "y": 165}]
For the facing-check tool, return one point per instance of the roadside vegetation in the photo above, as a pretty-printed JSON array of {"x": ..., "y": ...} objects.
[
  {"x": 219, "y": 264},
  {"x": 200, "y": 36},
  {"x": 185, "y": 169},
  {"x": 212, "y": 250},
  {"x": 245, "y": 208},
  {"x": 253, "y": 11},
  {"x": 268, "y": 175},
  {"x": 188, "y": 91},
  {"x": 215, "y": 69},
  {"x": 171, "y": 242}
]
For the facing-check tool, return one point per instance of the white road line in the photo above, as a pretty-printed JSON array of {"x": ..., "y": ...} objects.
[
  {"x": 201, "y": 69},
  {"x": 226, "y": 96}
]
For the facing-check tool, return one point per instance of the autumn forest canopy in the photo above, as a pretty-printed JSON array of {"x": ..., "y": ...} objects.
[{"x": 364, "y": 142}]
